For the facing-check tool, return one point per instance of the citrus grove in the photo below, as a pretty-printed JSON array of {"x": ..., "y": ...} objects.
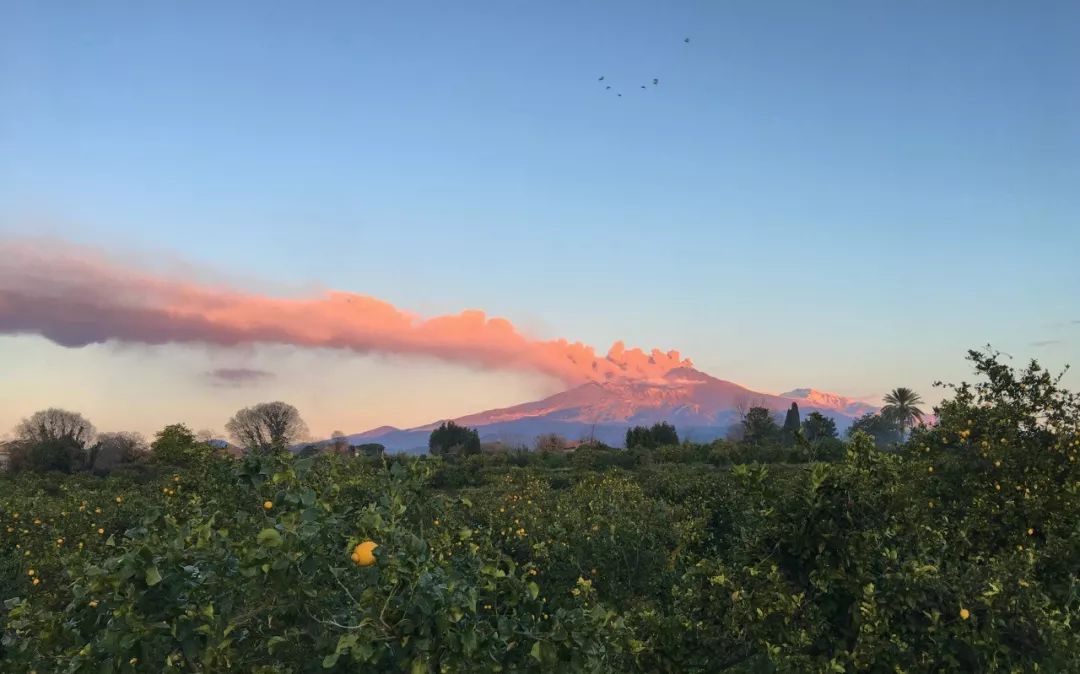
[{"x": 956, "y": 550}]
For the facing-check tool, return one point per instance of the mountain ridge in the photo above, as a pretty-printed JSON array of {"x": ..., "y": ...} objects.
[{"x": 701, "y": 407}]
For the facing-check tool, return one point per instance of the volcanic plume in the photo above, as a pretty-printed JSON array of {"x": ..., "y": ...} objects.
[{"x": 76, "y": 296}]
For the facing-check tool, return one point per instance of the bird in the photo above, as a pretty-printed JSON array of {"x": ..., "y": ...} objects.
[
  {"x": 686, "y": 41},
  {"x": 642, "y": 86},
  {"x": 607, "y": 87},
  {"x": 655, "y": 81},
  {"x": 601, "y": 79}
]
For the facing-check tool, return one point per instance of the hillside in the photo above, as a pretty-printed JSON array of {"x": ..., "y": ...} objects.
[{"x": 702, "y": 407}]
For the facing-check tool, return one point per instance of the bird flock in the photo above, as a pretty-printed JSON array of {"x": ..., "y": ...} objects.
[{"x": 608, "y": 87}]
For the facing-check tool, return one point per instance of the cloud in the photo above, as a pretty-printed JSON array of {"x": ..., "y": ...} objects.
[
  {"x": 77, "y": 296},
  {"x": 236, "y": 376},
  {"x": 1045, "y": 342}
]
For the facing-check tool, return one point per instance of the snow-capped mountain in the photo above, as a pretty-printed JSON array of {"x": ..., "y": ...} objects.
[
  {"x": 813, "y": 398},
  {"x": 700, "y": 406}
]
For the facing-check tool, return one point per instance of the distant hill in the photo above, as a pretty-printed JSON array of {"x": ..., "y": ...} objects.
[{"x": 700, "y": 406}]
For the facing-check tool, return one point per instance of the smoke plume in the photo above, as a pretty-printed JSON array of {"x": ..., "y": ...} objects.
[{"x": 75, "y": 297}]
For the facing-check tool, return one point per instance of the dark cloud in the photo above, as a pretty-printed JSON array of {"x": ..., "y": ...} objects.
[{"x": 236, "y": 376}]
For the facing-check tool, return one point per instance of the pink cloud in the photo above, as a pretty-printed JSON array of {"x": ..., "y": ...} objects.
[{"x": 76, "y": 296}]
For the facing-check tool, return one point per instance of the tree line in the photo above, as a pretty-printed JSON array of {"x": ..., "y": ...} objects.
[{"x": 60, "y": 440}]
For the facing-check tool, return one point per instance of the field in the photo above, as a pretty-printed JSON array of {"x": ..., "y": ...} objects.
[{"x": 958, "y": 550}]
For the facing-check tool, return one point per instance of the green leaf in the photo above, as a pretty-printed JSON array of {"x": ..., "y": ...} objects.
[
  {"x": 535, "y": 652},
  {"x": 153, "y": 577},
  {"x": 329, "y": 661},
  {"x": 269, "y": 538},
  {"x": 534, "y": 589}
]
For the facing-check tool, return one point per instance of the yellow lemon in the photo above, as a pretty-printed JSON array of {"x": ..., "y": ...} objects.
[
  {"x": 964, "y": 614},
  {"x": 364, "y": 553},
  {"x": 268, "y": 505}
]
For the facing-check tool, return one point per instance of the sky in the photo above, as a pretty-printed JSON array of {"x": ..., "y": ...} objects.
[{"x": 838, "y": 195}]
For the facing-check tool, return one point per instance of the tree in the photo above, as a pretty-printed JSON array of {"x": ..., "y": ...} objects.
[
  {"x": 338, "y": 443},
  {"x": 883, "y": 428},
  {"x": 551, "y": 442},
  {"x": 759, "y": 426},
  {"x": 901, "y": 405},
  {"x": 660, "y": 434},
  {"x": 174, "y": 445},
  {"x": 52, "y": 439},
  {"x": 791, "y": 424},
  {"x": 60, "y": 454},
  {"x": 267, "y": 427},
  {"x": 818, "y": 427},
  {"x": 114, "y": 449},
  {"x": 372, "y": 450},
  {"x": 56, "y": 424},
  {"x": 449, "y": 438},
  {"x": 664, "y": 434}
]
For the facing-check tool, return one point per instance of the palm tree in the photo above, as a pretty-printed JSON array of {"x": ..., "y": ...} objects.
[{"x": 901, "y": 405}]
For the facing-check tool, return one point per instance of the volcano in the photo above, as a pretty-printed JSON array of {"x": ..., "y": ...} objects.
[{"x": 701, "y": 407}]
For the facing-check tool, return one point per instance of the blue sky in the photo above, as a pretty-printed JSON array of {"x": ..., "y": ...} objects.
[{"x": 844, "y": 195}]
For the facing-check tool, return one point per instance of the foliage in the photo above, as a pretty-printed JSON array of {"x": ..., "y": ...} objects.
[
  {"x": 61, "y": 454},
  {"x": 759, "y": 426},
  {"x": 551, "y": 442},
  {"x": 883, "y": 428},
  {"x": 817, "y": 427},
  {"x": 449, "y": 438},
  {"x": 115, "y": 450},
  {"x": 369, "y": 449},
  {"x": 651, "y": 437},
  {"x": 792, "y": 425},
  {"x": 267, "y": 427},
  {"x": 338, "y": 442},
  {"x": 56, "y": 424},
  {"x": 901, "y": 406},
  {"x": 175, "y": 445},
  {"x": 957, "y": 551}
]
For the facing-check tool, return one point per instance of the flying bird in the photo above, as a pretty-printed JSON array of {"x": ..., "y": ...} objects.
[
  {"x": 601, "y": 79},
  {"x": 655, "y": 81},
  {"x": 687, "y": 41},
  {"x": 607, "y": 87}
]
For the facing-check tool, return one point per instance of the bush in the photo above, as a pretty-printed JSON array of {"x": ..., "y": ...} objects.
[{"x": 955, "y": 552}]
